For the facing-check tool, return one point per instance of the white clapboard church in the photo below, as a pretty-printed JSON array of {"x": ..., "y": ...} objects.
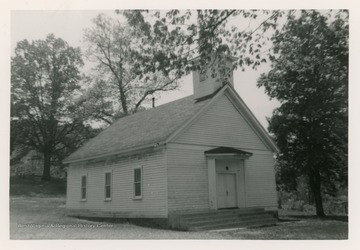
[{"x": 200, "y": 162}]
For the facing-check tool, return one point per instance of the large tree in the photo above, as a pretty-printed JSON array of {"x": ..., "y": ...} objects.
[
  {"x": 44, "y": 78},
  {"x": 309, "y": 77},
  {"x": 117, "y": 86},
  {"x": 180, "y": 35},
  {"x": 148, "y": 50}
]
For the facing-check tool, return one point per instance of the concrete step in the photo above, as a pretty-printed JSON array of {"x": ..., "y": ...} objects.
[
  {"x": 222, "y": 219},
  {"x": 238, "y": 212},
  {"x": 223, "y": 215}
]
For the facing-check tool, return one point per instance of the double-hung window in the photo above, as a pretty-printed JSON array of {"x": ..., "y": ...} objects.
[
  {"x": 138, "y": 183},
  {"x": 83, "y": 187},
  {"x": 108, "y": 190}
]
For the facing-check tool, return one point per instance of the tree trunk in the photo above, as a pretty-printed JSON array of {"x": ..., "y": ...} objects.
[
  {"x": 47, "y": 163},
  {"x": 315, "y": 183},
  {"x": 123, "y": 102},
  {"x": 310, "y": 196},
  {"x": 122, "y": 91}
]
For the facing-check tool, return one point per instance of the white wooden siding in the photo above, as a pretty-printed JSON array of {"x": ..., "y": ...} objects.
[
  {"x": 260, "y": 180},
  {"x": 154, "y": 199},
  {"x": 206, "y": 87},
  {"x": 221, "y": 125},
  {"x": 210, "y": 84},
  {"x": 188, "y": 178}
]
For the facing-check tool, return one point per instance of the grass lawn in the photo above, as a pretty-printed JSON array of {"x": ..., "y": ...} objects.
[
  {"x": 42, "y": 215},
  {"x": 299, "y": 226}
]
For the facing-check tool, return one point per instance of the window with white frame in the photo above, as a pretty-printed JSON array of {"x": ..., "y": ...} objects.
[
  {"x": 108, "y": 181},
  {"x": 83, "y": 187},
  {"x": 138, "y": 183}
]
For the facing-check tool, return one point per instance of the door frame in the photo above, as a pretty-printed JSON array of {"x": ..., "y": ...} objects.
[{"x": 212, "y": 179}]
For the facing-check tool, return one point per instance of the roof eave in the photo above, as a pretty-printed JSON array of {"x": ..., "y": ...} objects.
[
  {"x": 261, "y": 130},
  {"x": 227, "y": 155},
  {"x": 124, "y": 151}
]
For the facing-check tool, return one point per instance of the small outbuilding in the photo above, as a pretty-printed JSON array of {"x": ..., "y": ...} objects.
[{"x": 204, "y": 152}]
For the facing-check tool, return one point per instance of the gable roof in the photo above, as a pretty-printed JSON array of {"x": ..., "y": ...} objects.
[
  {"x": 143, "y": 128},
  {"x": 161, "y": 125},
  {"x": 251, "y": 119}
]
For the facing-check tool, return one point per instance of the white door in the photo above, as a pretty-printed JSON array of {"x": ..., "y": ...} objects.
[{"x": 226, "y": 190}]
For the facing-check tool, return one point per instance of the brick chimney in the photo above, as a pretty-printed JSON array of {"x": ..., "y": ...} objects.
[{"x": 205, "y": 83}]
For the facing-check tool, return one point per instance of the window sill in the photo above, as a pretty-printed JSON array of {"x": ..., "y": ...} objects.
[
  {"x": 83, "y": 200},
  {"x": 108, "y": 199},
  {"x": 137, "y": 198}
]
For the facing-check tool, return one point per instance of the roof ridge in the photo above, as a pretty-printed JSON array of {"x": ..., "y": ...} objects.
[{"x": 148, "y": 110}]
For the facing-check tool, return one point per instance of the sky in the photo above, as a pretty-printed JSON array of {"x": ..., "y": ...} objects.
[{"x": 70, "y": 24}]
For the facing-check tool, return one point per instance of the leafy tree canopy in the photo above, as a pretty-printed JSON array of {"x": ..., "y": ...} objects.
[
  {"x": 181, "y": 35},
  {"x": 150, "y": 50},
  {"x": 44, "y": 78},
  {"x": 309, "y": 76}
]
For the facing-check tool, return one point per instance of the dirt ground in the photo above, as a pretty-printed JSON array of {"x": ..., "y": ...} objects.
[{"x": 44, "y": 217}]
